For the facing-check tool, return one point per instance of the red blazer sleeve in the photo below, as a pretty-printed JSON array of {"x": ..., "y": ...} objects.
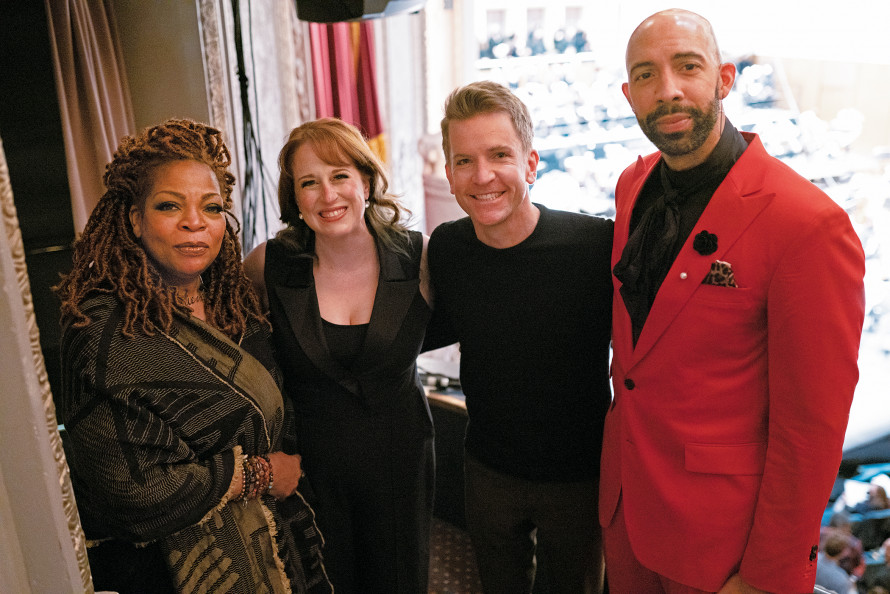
[{"x": 815, "y": 312}]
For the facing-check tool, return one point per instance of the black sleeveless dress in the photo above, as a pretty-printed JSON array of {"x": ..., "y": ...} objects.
[{"x": 365, "y": 432}]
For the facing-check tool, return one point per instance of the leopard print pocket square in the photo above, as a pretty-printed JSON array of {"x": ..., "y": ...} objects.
[{"x": 721, "y": 275}]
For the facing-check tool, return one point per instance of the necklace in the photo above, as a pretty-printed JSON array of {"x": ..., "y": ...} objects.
[
  {"x": 189, "y": 301},
  {"x": 195, "y": 299}
]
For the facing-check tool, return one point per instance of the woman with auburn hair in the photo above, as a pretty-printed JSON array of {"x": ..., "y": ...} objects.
[
  {"x": 348, "y": 293},
  {"x": 175, "y": 427}
]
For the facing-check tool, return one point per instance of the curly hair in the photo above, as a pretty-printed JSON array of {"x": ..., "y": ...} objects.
[
  {"x": 338, "y": 143},
  {"x": 108, "y": 258}
]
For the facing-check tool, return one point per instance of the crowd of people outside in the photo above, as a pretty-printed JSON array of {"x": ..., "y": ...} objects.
[
  {"x": 855, "y": 539},
  {"x": 566, "y": 40}
]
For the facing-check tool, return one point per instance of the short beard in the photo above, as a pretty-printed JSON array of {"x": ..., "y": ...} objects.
[{"x": 678, "y": 144}]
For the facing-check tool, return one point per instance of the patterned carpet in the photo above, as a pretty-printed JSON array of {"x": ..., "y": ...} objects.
[{"x": 452, "y": 564}]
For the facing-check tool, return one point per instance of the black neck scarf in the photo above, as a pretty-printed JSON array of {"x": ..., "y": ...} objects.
[
  {"x": 664, "y": 226},
  {"x": 649, "y": 249}
]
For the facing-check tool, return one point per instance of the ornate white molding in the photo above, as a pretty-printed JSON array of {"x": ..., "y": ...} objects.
[
  {"x": 213, "y": 48},
  {"x": 303, "y": 84},
  {"x": 29, "y": 404}
]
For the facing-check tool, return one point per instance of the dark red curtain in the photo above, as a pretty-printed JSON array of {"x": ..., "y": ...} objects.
[{"x": 345, "y": 74}]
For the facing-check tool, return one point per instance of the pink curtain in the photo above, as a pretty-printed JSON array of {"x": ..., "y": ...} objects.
[
  {"x": 345, "y": 73},
  {"x": 366, "y": 84},
  {"x": 93, "y": 94}
]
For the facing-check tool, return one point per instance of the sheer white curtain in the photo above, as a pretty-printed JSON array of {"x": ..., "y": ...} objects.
[{"x": 93, "y": 94}]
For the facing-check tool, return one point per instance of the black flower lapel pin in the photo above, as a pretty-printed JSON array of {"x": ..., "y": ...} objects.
[{"x": 705, "y": 243}]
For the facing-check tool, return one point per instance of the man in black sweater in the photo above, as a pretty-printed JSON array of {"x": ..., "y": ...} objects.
[{"x": 527, "y": 292}]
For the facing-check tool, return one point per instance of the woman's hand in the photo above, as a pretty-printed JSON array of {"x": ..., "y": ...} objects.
[{"x": 286, "y": 474}]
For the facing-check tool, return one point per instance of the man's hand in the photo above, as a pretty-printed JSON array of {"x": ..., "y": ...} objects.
[{"x": 736, "y": 585}]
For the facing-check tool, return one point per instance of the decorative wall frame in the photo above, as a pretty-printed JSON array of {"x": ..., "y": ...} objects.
[{"x": 43, "y": 548}]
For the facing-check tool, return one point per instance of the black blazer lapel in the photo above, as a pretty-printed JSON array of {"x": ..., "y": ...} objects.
[
  {"x": 300, "y": 303},
  {"x": 395, "y": 292}
]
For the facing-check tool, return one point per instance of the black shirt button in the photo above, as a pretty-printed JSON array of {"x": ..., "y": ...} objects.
[{"x": 629, "y": 384}]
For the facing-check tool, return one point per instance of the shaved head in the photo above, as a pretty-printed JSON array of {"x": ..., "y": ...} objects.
[{"x": 675, "y": 17}]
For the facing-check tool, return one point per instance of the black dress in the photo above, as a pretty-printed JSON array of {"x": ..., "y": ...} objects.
[{"x": 365, "y": 433}]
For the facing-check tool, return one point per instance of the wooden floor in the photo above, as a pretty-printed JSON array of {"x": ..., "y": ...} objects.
[{"x": 452, "y": 564}]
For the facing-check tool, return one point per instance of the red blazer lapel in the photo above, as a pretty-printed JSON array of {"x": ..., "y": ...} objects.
[
  {"x": 636, "y": 177},
  {"x": 731, "y": 210},
  {"x": 625, "y": 200}
]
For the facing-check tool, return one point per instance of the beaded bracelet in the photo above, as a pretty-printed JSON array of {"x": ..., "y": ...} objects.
[
  {"x": 257, "y": 476},
  {"x": 240, "y": 459},
  {"x": 264, "y": 473},
  {"x": 271, "y": 476},
  {"x": 254, "y": 479},
  {"x": 243, "y": 482}
]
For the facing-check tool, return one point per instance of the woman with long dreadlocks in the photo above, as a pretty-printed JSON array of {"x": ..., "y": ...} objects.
[{"x": 175, "y": 424}]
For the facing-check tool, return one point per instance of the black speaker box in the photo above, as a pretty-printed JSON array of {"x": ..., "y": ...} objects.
[{"x": 333, "y": 11}]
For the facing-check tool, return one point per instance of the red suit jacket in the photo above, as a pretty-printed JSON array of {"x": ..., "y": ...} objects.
[{"x": 725, "y": 433}]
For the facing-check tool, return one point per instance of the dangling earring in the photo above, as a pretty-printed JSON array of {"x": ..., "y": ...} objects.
[
  {"x": 300, "y": 216},
  {"x": 367, "y": 203}
]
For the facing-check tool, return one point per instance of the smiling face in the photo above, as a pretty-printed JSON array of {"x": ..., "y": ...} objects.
[
  {"x": 489, "y": 173},
  {"x": 675, "y": 84},
  {"x": 331, "y": 197},
  {"x": 181, "y": 223}
]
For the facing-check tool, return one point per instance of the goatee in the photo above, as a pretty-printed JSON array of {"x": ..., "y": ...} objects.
[{"x": 678, "y": 144}]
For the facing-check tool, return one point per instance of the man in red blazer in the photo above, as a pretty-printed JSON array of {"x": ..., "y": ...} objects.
[{"x": 738, "y": 310}]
